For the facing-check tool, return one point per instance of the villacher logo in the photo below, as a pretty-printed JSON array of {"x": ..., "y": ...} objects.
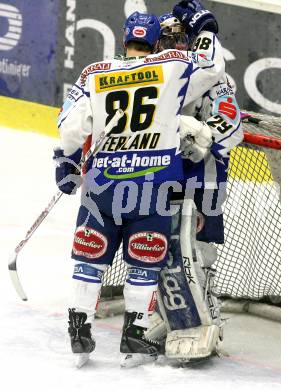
[
  {"x": 89, "y": 243},
  {"x": 150, "y": 247}
]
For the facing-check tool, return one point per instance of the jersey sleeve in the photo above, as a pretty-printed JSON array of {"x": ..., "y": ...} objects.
[
  {"x": 219, "y": 109},
  {"x": 226, "y": 125},
  {"x": 75, "y": 119},
  {"x": 208, "y": 65},
  {"x": 218, "y": 106}
]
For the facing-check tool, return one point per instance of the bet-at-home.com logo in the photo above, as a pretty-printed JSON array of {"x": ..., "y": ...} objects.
[{"x": 137, "y": 166}]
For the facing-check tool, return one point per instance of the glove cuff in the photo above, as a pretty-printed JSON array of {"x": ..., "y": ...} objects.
[
  {"x": 75, "y": 157},
  {"x": 202, "y": 21}
]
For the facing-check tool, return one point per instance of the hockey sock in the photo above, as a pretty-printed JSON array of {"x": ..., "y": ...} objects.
[
  {"x": 140, "y": 293},
  {"x": 86, "y": 286}
]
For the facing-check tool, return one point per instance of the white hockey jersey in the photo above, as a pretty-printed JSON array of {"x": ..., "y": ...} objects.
[
  {"x": 218, "y": 107},
  {"x": 151, "y": 92}
]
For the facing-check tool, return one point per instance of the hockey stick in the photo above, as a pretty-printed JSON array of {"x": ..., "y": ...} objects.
[
  {"x": 12, "y": 263},
  {"x": 249, "y": 118}
]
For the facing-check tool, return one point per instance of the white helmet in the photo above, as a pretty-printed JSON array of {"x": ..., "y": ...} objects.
[{"x": 172, "y": 34}]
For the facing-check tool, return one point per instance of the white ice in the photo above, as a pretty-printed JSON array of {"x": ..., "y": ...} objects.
[{"x": 34, "y": 346}]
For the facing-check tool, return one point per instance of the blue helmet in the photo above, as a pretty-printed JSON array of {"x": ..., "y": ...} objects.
[{"x": 143, "y": 28}]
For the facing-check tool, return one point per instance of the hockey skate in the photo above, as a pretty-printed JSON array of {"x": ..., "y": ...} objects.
[
  {"x": 82, "y": 343},
  {"x": 135, "y": 347}
]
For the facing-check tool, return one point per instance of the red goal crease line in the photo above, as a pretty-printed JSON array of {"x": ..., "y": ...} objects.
[{"x": 264, "y": 5}]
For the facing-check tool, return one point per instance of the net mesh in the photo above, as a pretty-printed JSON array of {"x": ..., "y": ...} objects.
[{"x": 249, "y": 262}]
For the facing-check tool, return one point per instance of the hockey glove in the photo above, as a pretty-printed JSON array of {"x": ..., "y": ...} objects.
[
  {"x": 195, "y": 18},
  {"x": 68, "y": 176},
  {"x": 196, "y": 138}
]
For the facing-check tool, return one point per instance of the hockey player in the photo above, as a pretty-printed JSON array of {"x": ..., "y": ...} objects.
[
  {"x": 208, "y": 134},
  {"x": 124, "y": 187}
]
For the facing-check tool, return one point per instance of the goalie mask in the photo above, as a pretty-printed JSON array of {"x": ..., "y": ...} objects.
[{"x": 172, "y": 34}]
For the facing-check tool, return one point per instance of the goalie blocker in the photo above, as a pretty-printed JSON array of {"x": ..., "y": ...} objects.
[{"x": 188, "y": 314}]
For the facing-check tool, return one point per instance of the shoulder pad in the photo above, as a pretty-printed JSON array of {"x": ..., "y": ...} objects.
[{"x": 96, "y": 66}]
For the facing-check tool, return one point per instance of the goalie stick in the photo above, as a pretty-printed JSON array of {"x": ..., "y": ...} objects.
[{"x": 12, "y": 262}]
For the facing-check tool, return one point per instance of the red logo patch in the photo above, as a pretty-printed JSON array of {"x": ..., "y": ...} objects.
[
  {"x": 153, "y": 302},
  {"x": 149, "y": 247},
  {"x": 228, "y": 109},
  {"x": 89, "y": 243},
  {"x": 139, "y": 32}
]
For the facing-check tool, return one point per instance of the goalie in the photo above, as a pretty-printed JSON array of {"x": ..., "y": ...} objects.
[{"x": 190, "y": 321}]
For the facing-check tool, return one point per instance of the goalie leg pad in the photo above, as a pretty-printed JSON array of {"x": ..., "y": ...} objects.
[
  {"x": 192, "y": 344},
  {"x": 157, "y": 328},
  {"x": 179, "y": 288},
  {"x": 178, "y": 301},
  {"x": 185, "y": 298},
  {"x": 206, "y": 254}
]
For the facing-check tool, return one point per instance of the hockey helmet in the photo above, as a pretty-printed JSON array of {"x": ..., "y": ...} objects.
[
  {"x": 168, "y": 20},
  {"x": 172, "y": 35},
  {"x": 143, "y": 28}
]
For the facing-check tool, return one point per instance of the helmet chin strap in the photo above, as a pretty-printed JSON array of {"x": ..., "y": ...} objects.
[{"x": 156, "y": 47}]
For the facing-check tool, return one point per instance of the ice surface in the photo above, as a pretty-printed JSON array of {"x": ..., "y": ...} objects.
[{"x": 34, "y": 347}]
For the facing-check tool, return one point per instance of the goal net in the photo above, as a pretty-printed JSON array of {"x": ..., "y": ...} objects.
[{"x": 249, "y": 262}]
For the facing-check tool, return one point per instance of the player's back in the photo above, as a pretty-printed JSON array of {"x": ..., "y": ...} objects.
[{"x": 150, "y": 91}]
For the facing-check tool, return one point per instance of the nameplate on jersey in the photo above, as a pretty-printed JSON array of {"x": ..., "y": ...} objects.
[{"x": 129, "y": 78}]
